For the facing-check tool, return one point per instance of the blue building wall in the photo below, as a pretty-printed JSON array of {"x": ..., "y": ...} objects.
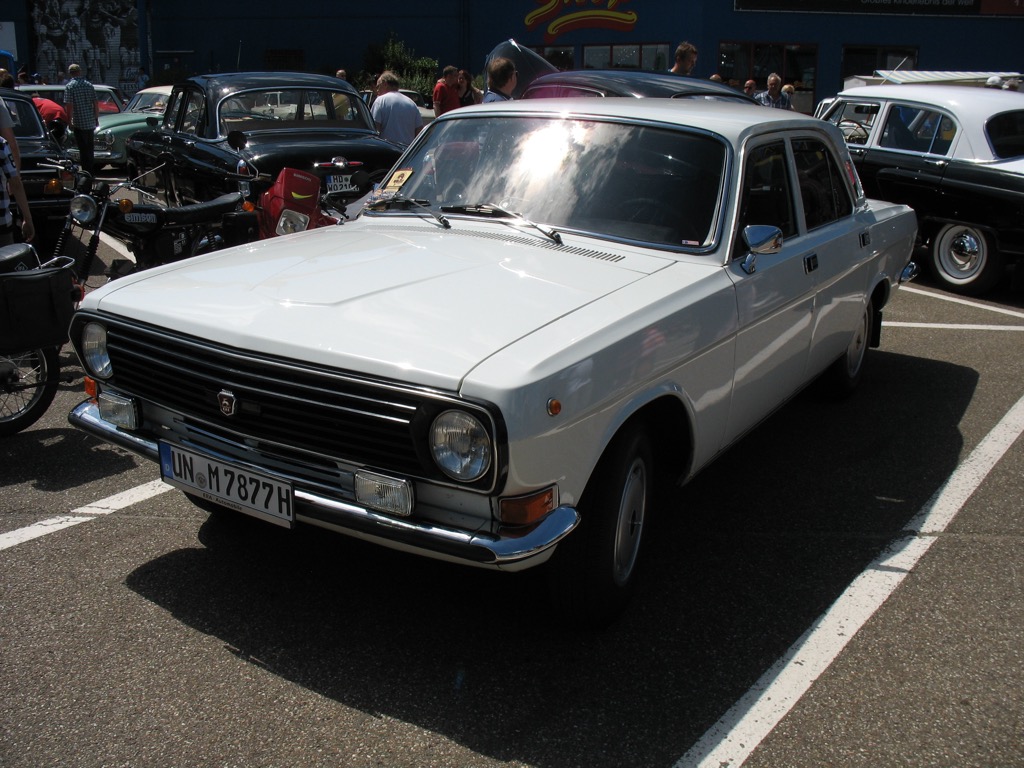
[{"x": 194, "y": 36}]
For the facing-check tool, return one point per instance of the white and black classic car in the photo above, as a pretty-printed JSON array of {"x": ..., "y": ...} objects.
[{"x": 548, "y": 308}]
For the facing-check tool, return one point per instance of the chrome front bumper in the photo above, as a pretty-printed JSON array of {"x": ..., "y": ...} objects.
[{"x": 510, "y": 549}]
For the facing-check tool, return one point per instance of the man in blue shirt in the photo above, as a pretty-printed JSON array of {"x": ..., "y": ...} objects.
[
  {"x": 501, "y": 80},
  {"x": 774, "y": 97}
]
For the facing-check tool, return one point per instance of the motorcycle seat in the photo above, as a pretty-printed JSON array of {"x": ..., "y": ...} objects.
[
  {"x": 17, "y": 258},
  {"x": 203, "y": 212}
]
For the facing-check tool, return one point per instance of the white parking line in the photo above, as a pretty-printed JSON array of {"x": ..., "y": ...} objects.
[
  {"x": 84, "y": 514},
  {"x": 731, "y": 740}
]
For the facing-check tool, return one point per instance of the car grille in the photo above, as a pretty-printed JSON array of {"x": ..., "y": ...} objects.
[{"x": 298, "y": 413}]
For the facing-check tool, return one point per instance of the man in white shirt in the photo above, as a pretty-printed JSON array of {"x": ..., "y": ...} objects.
[{"x": 397, "y": 117}]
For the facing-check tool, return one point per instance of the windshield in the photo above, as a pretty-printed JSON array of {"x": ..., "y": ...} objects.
[
  {"x": 635, "y": 182},
  {"x": 148, "y": 102},
  {"x": 25, "y": 119},
  {"x": 292, "y": 108}
]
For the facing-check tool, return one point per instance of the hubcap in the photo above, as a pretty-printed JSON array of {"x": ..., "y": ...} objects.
[
  {"x": 965, "y": 252},
  {"x": 632, "y": 508}
]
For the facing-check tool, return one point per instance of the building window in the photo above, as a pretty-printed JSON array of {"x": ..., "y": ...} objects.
[
  {"x": 654, "y": 56},
  {"x": 563, "y": 57},
  {"x": 861, "y": 60},
  {"x": 796, "y": 64}
]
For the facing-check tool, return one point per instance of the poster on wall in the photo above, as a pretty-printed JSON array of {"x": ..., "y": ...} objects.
[
  {"x": 102, "y": 36},
  {"x": 912, "y": 7}
]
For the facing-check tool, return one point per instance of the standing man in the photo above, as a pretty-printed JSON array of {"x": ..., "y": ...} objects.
[
  {"x": 7, "y": 128},
  {"x": 397, "y": 117},
  {"x": 501, "y": 80},
  {"x": 11, "y": 186},
  {"x": 83, "y": 113},
  {"x": 774, "y": 97},
  {"x": 686, "y": 59},
  {"x": 446, "y": 91},
  {"x": 749, "y": 88}
]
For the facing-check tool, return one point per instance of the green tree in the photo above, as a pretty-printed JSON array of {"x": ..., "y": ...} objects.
[{"x": 416, "y": 73}]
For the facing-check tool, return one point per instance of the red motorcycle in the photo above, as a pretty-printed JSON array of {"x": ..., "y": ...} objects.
[{"x": 298, "y": 200}]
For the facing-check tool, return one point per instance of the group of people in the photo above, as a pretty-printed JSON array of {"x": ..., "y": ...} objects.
[
  {"x": 776, "y": 95},
  {"x": 80, "y": 111},
  {"x": 398, "y": 118}
]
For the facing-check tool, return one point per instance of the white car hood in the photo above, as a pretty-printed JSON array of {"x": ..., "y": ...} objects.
[{"x": 410, "y": 302}]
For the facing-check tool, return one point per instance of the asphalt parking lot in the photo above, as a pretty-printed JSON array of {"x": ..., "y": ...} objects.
[{"x": 844, "y": 587}]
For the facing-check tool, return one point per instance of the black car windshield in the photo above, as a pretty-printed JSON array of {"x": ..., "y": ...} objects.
[
  {"x": 278, "y": 108},
  {"x": 1006, "y": 134},
  {"x": 25, "y": 118},
  {"x": 634, "y": 182}
]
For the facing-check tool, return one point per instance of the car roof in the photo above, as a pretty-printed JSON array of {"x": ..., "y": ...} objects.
[
  {"x": 959, "y": 99},
  {"x": 51, "y": 87},
  {"x": 732, "y": 120},
  {"x": 638, "y": 83},
  {"x": 238, "y": 81}
]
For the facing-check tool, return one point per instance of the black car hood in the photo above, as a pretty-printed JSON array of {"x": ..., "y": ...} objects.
[{"x": 529, "y": 65}]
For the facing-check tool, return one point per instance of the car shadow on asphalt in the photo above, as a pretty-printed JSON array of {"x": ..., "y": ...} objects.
[{"x": 744, "y": 560}]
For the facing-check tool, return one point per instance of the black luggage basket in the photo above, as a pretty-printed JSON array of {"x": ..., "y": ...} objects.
[{"x": 36, "y": 300}]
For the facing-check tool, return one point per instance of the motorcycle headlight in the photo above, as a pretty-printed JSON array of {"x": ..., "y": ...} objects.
[
  {"x": 291, "y": 221},
  {"x": 94, "y": 351},
  {"x": 460, "y": 446},
  {"x": 83, "y": 209}
]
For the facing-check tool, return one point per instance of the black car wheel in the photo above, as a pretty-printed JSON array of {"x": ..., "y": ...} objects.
[
  {"x": 593, "y": 571},
  {"x": 965, "y": 260}
]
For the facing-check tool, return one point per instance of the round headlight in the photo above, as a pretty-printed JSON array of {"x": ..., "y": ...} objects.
[
  {"x": 94, "y": 351},
  {"x": 106, "y": 138},
  {"x": 460, "y": 445},
  {"x": 83, "y": 209}
]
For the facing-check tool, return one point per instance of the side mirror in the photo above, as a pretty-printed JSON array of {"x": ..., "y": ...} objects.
[{"x": 760, "y": 240}]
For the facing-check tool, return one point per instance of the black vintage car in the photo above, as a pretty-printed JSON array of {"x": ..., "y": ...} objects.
[
  {"x": 44, "y": 186},
  {"x": 630, "y": 83},
  {"x": 955, "y": 154},
  {"x": 289, "y": 119}
]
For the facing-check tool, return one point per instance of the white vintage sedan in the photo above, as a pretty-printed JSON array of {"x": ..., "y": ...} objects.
[{"x": 548, "y": 308}]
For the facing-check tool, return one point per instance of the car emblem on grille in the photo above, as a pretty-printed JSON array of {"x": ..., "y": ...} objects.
[{"x": 228, "y": 402}]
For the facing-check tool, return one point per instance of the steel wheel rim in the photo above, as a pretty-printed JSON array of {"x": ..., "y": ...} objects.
[
  {"x": 858, "y": 347},
  {"x": 630, "y": 521},
  {"x": 962, "y": 253}
]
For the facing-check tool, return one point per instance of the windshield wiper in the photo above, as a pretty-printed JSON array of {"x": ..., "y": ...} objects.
[
  {"x": 496, "y": 211},
  {"x": 408, "y": 202}
]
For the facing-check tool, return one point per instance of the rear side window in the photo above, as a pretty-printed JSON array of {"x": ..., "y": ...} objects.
[
  {"x": 917, "y": 129},
  {"x": 823, "y": 188},
  {"x": 559, "y": 92},
  {"x": 1006, "y": 134}
]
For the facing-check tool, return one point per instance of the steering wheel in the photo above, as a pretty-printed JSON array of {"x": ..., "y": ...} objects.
[{"x": 854, "y": 131}]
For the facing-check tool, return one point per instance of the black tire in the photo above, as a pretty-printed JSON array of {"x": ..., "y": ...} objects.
[
  {"x": 846, "y": 373},
  {"x": 964, "y": 259},
  {"x": 28, "y": 384},
  {"x": 592, "y": 574}
]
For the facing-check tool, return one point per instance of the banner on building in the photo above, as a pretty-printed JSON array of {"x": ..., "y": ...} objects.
[
  {"x": 913, "y": 7},
  {"x": 102, "y": 36}
]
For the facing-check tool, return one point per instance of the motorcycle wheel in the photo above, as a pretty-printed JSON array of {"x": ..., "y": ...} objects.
[{"x": 28, "y": 384}]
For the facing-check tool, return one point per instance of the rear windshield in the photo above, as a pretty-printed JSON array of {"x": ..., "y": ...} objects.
[
  {"x": 282, "y": 108},
  {"x": 1006, "y": 134}
]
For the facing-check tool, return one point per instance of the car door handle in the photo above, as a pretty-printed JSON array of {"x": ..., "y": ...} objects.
[
  {"x": 857, "y": 152},
  {"x": 810, "y": 262},
  {"x": 937, "y": 163}
]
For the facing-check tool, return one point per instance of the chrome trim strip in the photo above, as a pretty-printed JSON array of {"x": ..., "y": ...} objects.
[{"x": 476, "y": 548}]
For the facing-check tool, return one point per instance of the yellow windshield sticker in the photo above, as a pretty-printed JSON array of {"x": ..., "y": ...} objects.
[{"x": 398, "y": 179}]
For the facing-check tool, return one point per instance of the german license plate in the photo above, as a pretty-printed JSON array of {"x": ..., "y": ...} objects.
[
  {"x": 340, "y": 184},
  {"x": 237, "y": 488}
]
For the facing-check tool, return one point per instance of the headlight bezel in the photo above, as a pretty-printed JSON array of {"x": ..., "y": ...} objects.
[
  {"x": 467, "y": 463},
  {"x": 95, "y": 353},
  {"x": 83, "y": 209}
]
